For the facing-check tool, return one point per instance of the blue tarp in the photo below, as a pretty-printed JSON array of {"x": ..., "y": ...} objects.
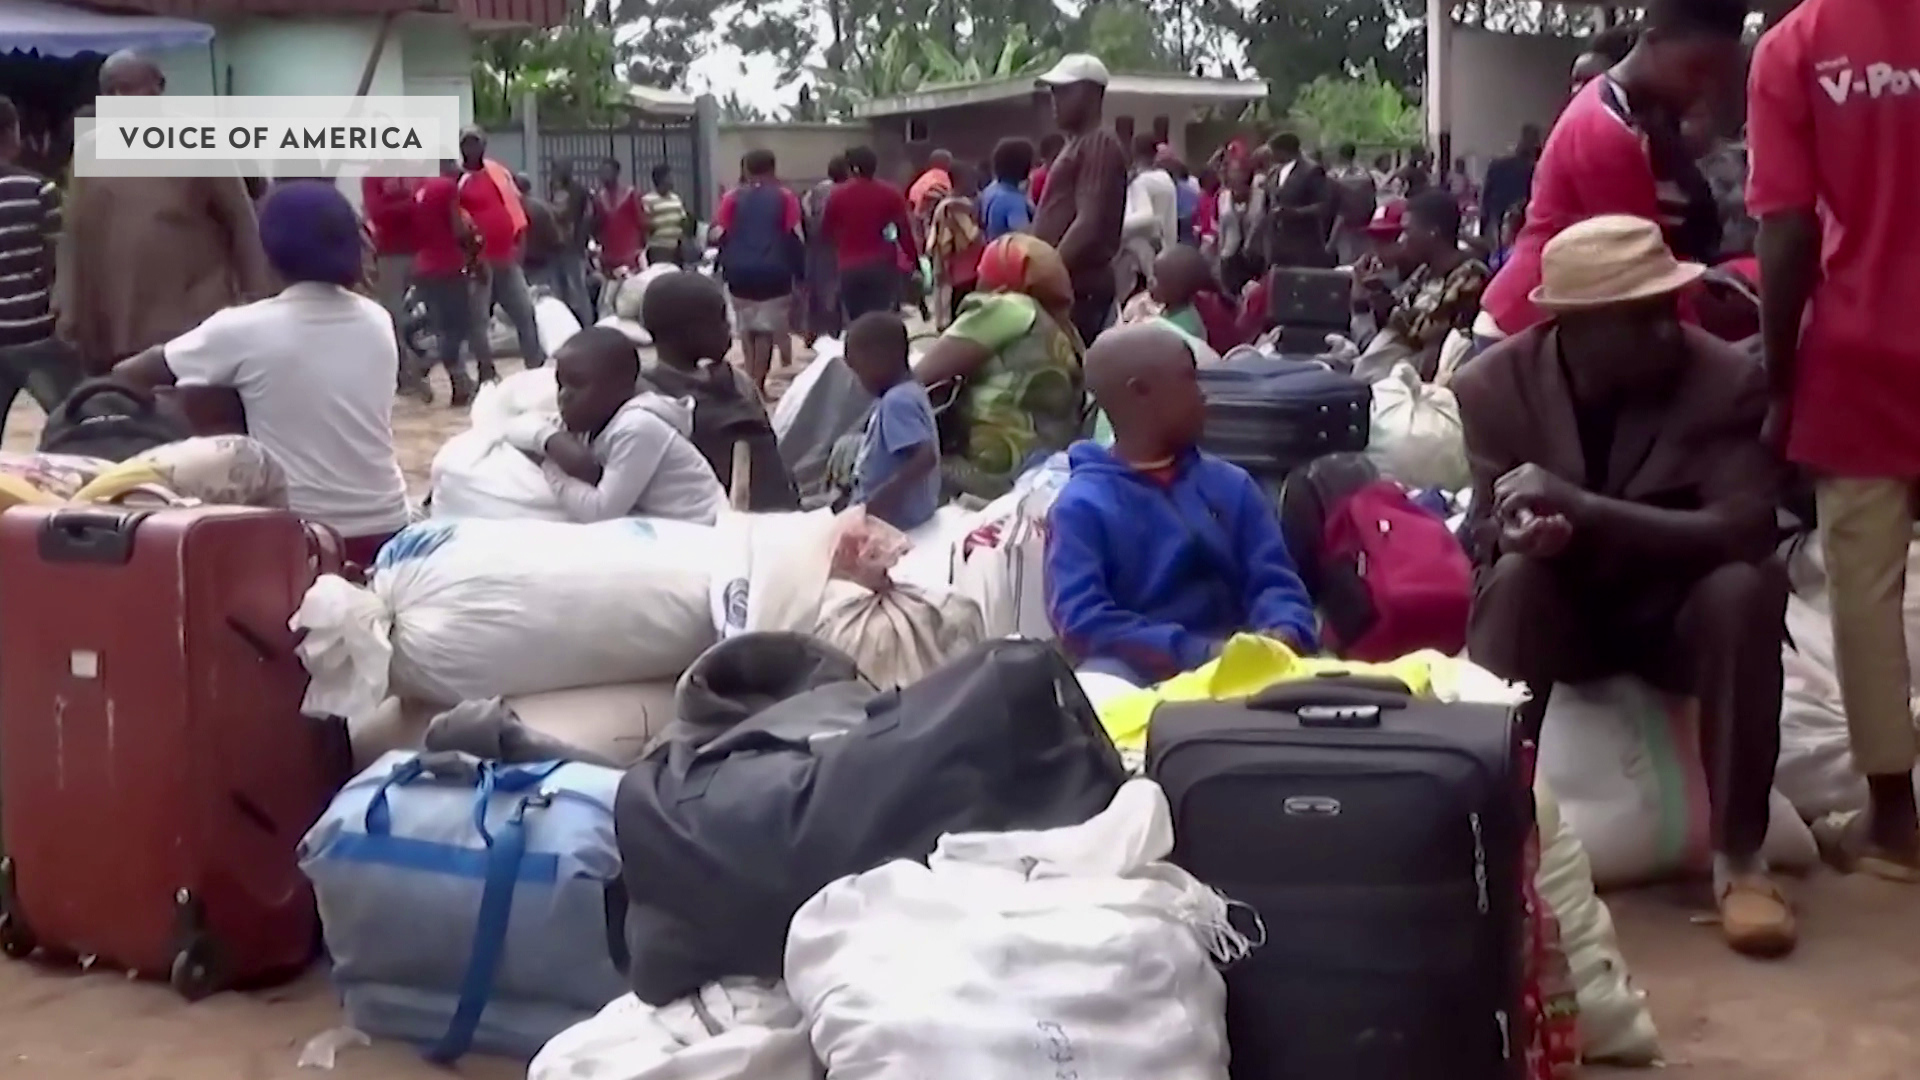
[{"x": 60, "y": 30}]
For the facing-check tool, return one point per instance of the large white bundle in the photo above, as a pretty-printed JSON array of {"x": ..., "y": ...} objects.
[
  {"x": 1417, "y": 438},
  {"x": 473, "y": 609},
  {"x": 1624, "y": 761},
  {"x": 1025, "y": 954},
  {"x": 1816, "y": 771},
  {"x": 1615, "y": 1026},
  {"x": 735, "y": 1030},
  {"x": 477, "y": 474}
]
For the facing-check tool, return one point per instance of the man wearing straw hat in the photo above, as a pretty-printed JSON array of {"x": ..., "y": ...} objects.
[{"x": 1623, "y": 523}]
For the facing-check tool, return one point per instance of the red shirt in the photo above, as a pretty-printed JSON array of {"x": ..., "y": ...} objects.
[
  {"x": 1594, "y": 163},
  {"x": 438, "y": 252},
  {"x": 1036, "y": 183},
  {"x": 388, "y": 203},
  {"x": 481, "y": 199},
  {"x": 1833, "y": 124},
  {"x": 856, "y": 219},
  {"x": 623, "y": 227}
]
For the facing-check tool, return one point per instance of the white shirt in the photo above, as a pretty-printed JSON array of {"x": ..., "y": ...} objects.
[
  {"x": 315, "y": 368},
  {"x": 1153, "y": 209},
  {"x": 648, "y": 467}
]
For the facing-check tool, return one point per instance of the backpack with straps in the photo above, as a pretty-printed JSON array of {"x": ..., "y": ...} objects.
[{"x": 1387, "y": 576}]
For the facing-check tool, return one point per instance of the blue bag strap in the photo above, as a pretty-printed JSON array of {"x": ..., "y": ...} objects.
[
  {"x": 504, "y": 854},
  {"x": 491, "y": 775}
]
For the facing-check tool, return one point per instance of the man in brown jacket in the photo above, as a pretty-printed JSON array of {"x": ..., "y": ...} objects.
[
  {"x": 144, "y": 259},
  {"x": 1623, "y": 522}
]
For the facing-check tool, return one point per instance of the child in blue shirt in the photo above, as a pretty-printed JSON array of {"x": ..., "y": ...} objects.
[
  {"x": 898, "y": 476},
  {"x": 1156, "y": 551},
  {"x": 1004, "y": 206}
]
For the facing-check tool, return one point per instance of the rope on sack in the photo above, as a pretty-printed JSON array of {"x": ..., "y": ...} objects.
[{"x": 1211, "y": 917}]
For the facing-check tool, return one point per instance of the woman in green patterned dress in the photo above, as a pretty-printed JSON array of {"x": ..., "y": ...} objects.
[{"x": 1005, "y": 376}]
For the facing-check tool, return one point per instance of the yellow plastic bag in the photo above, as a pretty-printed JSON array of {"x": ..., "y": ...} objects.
[{"x": 1250, "y": 663}]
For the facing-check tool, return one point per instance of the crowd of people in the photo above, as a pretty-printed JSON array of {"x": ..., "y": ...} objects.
[{"x": 1627, "y": 463}]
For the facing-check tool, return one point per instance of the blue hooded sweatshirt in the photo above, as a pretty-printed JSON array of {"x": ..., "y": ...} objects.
[{"x": 1157, "y": 575}]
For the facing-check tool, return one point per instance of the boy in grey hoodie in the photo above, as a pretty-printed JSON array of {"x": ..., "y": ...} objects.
[{"x": 618, "y": 451}]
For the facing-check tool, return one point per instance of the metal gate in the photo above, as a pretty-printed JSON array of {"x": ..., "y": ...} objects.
[{"x": 637, "y": 147}]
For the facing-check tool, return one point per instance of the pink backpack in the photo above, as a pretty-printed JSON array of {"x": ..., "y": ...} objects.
[{"x": 1392, "y": 579}]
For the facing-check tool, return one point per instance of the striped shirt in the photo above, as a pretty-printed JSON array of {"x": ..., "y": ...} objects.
[
  {"x": 29, "y": 226},
  {"x": 666, "y": 219}
]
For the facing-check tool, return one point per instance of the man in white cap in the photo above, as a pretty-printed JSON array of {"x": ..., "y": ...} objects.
[
  {"x": 1085, "y": 200},
  {"x": 1623, "y": 523}
]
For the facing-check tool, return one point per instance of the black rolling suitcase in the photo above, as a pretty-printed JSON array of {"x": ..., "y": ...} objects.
[
  {"x": 1381, "y": 840},
  {"x": 1271, "y": 415}
]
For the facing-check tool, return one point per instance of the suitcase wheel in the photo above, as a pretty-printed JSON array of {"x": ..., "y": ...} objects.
[
  {"x": 16, "y": 938},
  {"x": 197, "y": 972}
]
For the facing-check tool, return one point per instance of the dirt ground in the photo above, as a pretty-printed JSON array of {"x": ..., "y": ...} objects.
[{"x": 1845, "y": 1007}]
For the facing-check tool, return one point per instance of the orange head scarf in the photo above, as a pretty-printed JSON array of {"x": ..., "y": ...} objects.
[{"x": 1027, "y": 264}]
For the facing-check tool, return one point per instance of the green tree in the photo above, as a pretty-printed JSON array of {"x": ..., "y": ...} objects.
[
  {"x": 1364, "y": 109},
  {"x": 1293, "y": 42},
  {"x": 659, "y": 39},
  {"x": 569, "y": 70}
]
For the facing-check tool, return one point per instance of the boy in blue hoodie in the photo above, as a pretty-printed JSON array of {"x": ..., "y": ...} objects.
[{"x": 1156, "y": 551}]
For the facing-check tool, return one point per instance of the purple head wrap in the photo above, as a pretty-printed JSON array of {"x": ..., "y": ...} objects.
[{"x": 311, "y": 233}]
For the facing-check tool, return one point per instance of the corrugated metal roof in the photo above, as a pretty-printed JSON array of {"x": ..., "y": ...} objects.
[{"x": 495, "y": 12}]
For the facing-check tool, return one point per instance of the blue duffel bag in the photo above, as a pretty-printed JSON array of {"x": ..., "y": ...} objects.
[{"x": 465, "y": 902}]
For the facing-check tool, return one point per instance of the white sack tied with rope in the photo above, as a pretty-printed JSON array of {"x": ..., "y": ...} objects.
[{"x": 457, "y": 610}]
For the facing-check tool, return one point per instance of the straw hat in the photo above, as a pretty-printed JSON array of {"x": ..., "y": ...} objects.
[{"x": 1612, "y": 259}]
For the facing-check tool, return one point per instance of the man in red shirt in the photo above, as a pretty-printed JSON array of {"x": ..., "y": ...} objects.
[
  {"x": 442, "y": 248},
  {"x": 619, "y": 222},
  {"x": 856, "y": 222},
  {"x": 491, "y": 199},
  {"x": 1833, "y": 105},
  {"x": 1617, "y": 150},
  {"x": 388, "y": 204}
]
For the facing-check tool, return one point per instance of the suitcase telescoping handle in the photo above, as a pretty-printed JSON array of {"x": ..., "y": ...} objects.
[
  {"x": 90, "y": 536},
  {"x": 1335, "y": 700}
]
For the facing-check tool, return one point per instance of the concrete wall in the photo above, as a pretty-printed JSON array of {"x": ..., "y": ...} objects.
[
  {"x": 1500, "y": 82},
  {"x": 801, "y": 150},
  {"x": 970, "y": 132}
]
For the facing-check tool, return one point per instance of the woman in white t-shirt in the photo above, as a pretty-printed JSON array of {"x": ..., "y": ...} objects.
[{"x": 314, "y": 367}]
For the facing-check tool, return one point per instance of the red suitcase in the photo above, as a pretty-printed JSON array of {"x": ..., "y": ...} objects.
[{"x": 156, "y": 773}]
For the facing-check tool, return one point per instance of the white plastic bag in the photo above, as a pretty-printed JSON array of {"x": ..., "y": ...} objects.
[
  {"x": 476, "y": 609},
  {"x": 732, "y": 1030},
  {"x": 1624, "y": 762},
  {"x": 898, "y": 636},
  {"x": 1073, "y": 951},
  {"x": 1615, "y": 1026},
  {"x": 1001, "y": 563},
  {"x": 1417, "y": 438}
]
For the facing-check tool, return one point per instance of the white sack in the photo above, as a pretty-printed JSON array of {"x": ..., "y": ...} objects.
[
  {"x": 1001, "y": 563},
  {"x": 477, "y": 609},
  {"x": 477, "y": 474},
  {"x": 777, "y": 576},
  {"x": 732, "y": 1030},
  {"x": 1816, "y": 771},
  {"x": 1417, "y": 438},
  {"x": 1021, "y": 954},
  {"x": 554, "y": 322},
  {"x": 1615, "y": 1026},
  {"x": 1624, "y": 761}
]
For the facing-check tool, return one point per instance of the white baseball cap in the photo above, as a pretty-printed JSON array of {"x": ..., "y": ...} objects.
[{"x": 1076, "y": 68}]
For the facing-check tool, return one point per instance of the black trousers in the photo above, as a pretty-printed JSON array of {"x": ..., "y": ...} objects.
[
  {"x": 1093, "y": 306},
  {"x": 869, "y": 287},
  {"x": 1716, "y": 638}
]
